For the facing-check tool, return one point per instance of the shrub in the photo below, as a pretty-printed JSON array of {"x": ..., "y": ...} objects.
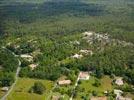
[{"x": 37, "y": 88}]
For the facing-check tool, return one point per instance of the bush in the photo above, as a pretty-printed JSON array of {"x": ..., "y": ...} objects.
[
  {"x": 94, "y": 93},
  {"x": 37, "y": 88}
]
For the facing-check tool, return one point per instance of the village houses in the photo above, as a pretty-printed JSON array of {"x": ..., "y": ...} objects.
[
  {"x": 99, "y": 98},
  {"x": 64, "y": 82},
  {"x": 119, "y": 81},
  {"x": 84, "y": 76}
]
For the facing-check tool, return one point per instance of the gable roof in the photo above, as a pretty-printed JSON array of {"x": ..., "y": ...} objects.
[
  {"x": 64, "y": 82},
  {"x": 99, "y": 98},
  {"x": 83, "y": 75}
]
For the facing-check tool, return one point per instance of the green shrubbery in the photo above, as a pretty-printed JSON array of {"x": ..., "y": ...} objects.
[{"x": 38, "y": 88}]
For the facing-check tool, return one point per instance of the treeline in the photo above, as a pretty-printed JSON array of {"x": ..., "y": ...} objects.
[
  {"x": 70, "y": 17},
  {"x": 7, "y": 61},
  {"x": 8, "y": 66},
  {"x": 114, "y": 61}
]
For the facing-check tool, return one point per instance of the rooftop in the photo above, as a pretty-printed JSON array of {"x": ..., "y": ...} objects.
[
  {"x": 5, "y": 89},
  {"x": 26, "y": 56},
  {"x": 84, "y": 75},
  {"x": 88, "y": 33},
  {"x": 118, "y": 92},
  {"x": 98, "y": 98},
  {"x": 123, "y": 98},
  {"x": 33, "y": 66},
  {"x": 119, "y": 81},
  {"x": 64, "y": 82},
  {"x": 77, "y": 56}
]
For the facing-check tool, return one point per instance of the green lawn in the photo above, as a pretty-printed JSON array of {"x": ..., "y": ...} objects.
[
  {"x": 20, "y": 92},
  {"x": 88, "y": 87}
]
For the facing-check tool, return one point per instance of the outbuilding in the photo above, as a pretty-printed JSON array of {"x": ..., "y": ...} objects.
[
  {"x": 84, "y": 76},
  {"x": 64, "y": 82}
]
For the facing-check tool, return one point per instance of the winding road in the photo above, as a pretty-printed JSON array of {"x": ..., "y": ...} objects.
[
  {"x": 76, "y": 84},
  {"x": 16, "y": 76}
]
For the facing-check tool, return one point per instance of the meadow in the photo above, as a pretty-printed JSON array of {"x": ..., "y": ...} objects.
[{"x": 20, "y": 92}]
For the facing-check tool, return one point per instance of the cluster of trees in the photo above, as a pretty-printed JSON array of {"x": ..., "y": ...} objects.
[
  {"x": 42, "y": 72},
  {"x": 8, "y": 64},
  {"x": 6, "y": 78},
  {"x": 38, "y": 88},
  {"x": 22, "y": 48},
  {"x": 51, "y": 17},
  {"x": 7, "y": 61},
  {"x": 63, "y": 90}
]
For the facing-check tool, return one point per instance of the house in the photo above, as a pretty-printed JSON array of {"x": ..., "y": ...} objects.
[
  {"x": 55, "y": 97},
  {"x": 99, "y": 98},
  {"x": 119, "y": 81},
  {"x": 88, "y": 33},
  {"x": 84, "y": 76},
  {"x": 118, "y": 92},
  {"x": 123, "y": 98},
  {"x": 77, "y": 56},
  {"x": 27, "y": 57},
  {"x": 86, "y": 52},
  {"x": 33, "y": 66},
  {"x": 76, "y": 42},
  {"x": 105, "y": 92},
  {"x": 5, "y": 89},
  {"x": 64, "y": 82}
]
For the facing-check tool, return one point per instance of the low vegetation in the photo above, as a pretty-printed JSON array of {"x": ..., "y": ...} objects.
[{"x": 21, "y": 90}]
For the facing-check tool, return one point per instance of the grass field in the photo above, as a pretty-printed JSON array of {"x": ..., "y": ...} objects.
[
  {"x": 88, "y": 87},
  {"x": 20, "y": 92}
]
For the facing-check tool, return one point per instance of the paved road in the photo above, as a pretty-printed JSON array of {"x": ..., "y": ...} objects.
[
  {"x": 76, "y": 84},
  {"x": 16, "y": 77}
]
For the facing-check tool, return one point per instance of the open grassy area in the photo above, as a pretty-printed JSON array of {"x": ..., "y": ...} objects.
[
  {"x": 20, "y": 92},
  {"x": 87, "y": 87}
]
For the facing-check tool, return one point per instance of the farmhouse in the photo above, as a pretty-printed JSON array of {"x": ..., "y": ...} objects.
[
  {"x": 64, "y": 82},
  {"x": 76, "y": 42},
  {"x": 84, "y": 76},
  {"x": 33, "y": 66},
  {"x": 123, "y": 98},
  {"x": 5, "y": 89},
  {"x": 86, "y": 51},
  {"x": 88, "y": 33},
  {"x": 98, "y": 98},
  {"x": 55, "y": 97},
  {"x": 27, "y": 57},
  {"x": 119, "y": 81},
  {"x": 118, "y": 92},
  {"x": 77, "y": 56}
]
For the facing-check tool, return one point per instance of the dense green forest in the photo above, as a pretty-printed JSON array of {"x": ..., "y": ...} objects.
[
  {"x": 21, "y": 17},
  {"x": 8, "y": 66},
  {"x": 49, "y": 26}
]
